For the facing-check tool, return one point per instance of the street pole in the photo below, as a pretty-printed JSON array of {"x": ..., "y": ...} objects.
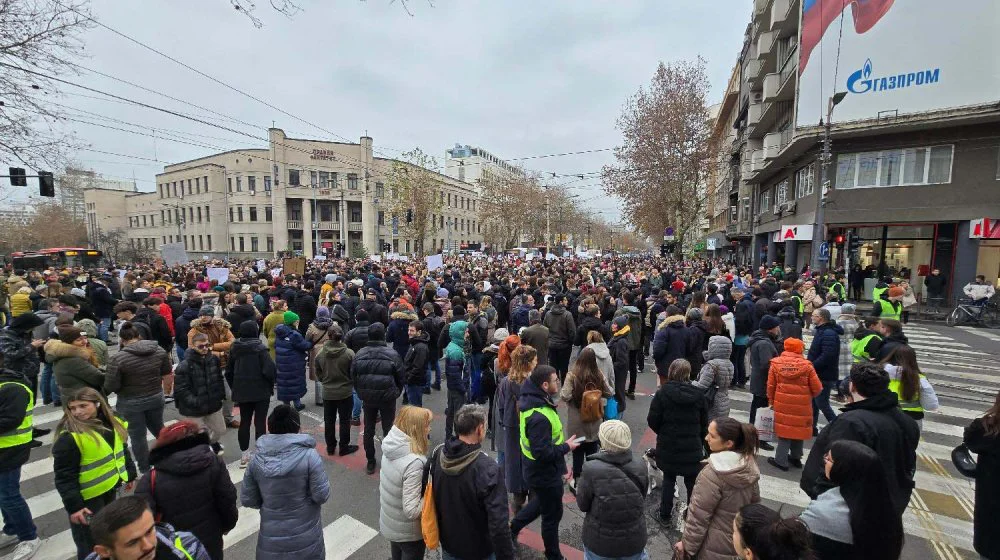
[
  {"x": 819, "y": 230},
  {"x": 548, "y": 229},
  {"x": 315, "y": 222}
]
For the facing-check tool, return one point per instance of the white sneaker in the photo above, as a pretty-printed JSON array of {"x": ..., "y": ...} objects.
[
  {"x": 245, "y": 459},
  {"x": 8, "y": 540},
  {"x": 25, "y": 550}
]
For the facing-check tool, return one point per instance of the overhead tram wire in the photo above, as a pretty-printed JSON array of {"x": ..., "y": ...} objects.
[{"x": 201, "y": 73}]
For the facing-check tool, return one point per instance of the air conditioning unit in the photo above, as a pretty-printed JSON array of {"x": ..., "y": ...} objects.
[
  {"x": 756, "y": 96},
  {"x": 790, "y": 206},
  {"x": 777, "y": 209}
]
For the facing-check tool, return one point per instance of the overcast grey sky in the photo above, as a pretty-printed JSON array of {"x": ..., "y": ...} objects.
[{"x": 518, "y": 78}]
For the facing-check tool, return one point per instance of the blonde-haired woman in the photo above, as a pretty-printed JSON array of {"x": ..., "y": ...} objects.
[
  {"x": 404, "y": 453},
  {"x": 91, "y": 459},
  {"x": 523, "y": 359}
]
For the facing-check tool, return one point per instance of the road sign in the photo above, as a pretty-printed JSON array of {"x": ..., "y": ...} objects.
[
  {"x": 824, "y": 251},
  {"x": 668, "y": 234}
]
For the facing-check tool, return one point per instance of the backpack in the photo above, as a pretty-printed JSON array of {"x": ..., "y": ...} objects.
[{"x": 591, "y": 407}]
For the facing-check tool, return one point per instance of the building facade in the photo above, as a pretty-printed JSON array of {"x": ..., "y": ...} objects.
[
  {"x": 297, "y": 195},
  {"x": 476, "y": 165},
  {"x": 911, "y": 174}
]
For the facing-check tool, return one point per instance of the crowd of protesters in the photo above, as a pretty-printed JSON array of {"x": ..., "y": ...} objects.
[{"x": 512, "y": 342}]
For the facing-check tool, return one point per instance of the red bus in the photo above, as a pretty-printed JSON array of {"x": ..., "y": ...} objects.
[{"x": 56, "y": 257}]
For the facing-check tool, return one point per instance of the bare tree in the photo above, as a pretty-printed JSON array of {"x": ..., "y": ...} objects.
[
  {"x": 664, "y": 158},
  {"x": 113, "y": 243},
  {"x": 287, "y": 8},
  {"x": 44, "y": 37},
  {"x": 415, "y": 196}
]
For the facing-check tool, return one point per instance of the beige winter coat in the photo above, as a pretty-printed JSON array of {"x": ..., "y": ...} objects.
[
  {"x": 574, "y": 423},
  {"x": 726, "y": 483}
]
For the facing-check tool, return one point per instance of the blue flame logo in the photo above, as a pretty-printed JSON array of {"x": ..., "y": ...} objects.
[{"x": 867, "y": 70}]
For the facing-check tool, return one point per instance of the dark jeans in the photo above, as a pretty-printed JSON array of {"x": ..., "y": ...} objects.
[
  {"x": 337, "y": 410},
  {"x": 856, "y": 290},
  {"x": 633, "y": 371},
  {"x": 822, "y": 403},
  {"x": 475, "y": 374},
  {"x": 737, "y": 357},
  {"x": 413, "y": 550},
  {"x": 387, "y": 412},
  {"x": 433, "y": 366},
  {"x": 757, "y": 402},
  {"x": 456, "y": 400},
  {"x": 16, "y": 515},
  {"x": 559, "y": 359},
  {"x": 547, "y": 502},
  {"x": 252, "y": 413},
  {"x": 50, "y": 390},
  {"x": 906, "y": 316},
  {"x": 142, "y": 414},
  {"x": 414, "y": 395},
  {"x": 647, "y": 338},
  {"x": 81, "y": 533},
  {"x": 580, "y": 455},
  {"x": 667, "y": 499}
]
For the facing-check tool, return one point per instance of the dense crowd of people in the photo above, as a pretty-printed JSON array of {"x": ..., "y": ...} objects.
[{"x": 538, "y": 359}]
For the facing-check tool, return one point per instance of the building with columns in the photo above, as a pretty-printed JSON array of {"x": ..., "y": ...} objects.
[{"x": 296, "y": 195}]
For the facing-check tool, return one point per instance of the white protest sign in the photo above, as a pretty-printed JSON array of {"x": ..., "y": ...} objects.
[
  {"x": 173, "y": 254},
  {"x": 275, "y": 272},
  {"x": 261, "y": 265},
  {"x": 376, "y": 258},
  {"x": 434, "y": 262},
  {"x": 529, "y": 256},
  {"x": 121, "y": 274},
  {"x": 550, "y": 257},
  {"x": 218, "y": 273},
  {"x": 486, "y": 285}
]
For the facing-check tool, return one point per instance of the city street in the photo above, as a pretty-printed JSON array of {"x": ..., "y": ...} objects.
[{"x": 960, "y": 363}]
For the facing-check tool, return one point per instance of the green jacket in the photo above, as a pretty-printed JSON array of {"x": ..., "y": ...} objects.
[
  {"x": 635, "y": 325},
  {"x": 333, "y": 370}
]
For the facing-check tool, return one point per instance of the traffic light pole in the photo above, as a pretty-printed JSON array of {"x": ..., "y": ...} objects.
[{"x": 18, "y": 178}]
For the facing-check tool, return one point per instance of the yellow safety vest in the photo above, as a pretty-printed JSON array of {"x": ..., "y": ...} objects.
[
  {"x": 858, "y": 348},
  {"x": 553, "y": 418},
  {"x": 22, "y": 433},
  {"x": 180, "y": 546},
  {"x": 889, "y": 311},
  {"x": 877, "y": 293},
  {"x": 101, "y": 467},
  {"x": 896, "y": 386}
]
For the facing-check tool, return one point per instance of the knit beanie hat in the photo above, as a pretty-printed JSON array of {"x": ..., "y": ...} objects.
[
  {"x": 248, "y": 329},
  {"x": 458, "y": 311},
  {"x": 362, "y": 315},
  {"x": 290, "y": 317},
  {"x": 768, "y": 322},
  {"x": 619, "y": 322},
  {"x": 206, "y": 311},
  {"x": 376, "y": 331},
  {"x": 615, "y": 436},
  {"x": 500, "y": 334},
  {"x": 69, "y": 333},
  {"x": 322, "y": 312},
  {"x": 794, "y": 345},
  {"x": 441, "y": 292}
]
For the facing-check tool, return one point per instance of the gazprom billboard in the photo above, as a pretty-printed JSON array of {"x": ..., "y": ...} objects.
[{"x": 896, "y": 56}]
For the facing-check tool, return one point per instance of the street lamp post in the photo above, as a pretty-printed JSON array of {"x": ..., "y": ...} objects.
[{"x": 819, "y": 230}]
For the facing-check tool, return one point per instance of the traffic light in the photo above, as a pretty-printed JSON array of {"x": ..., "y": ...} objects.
[
  {"x": 663, "y": 250},
  {"x": 46, "y": 184},
  {"x": 409, "y": 215},
  {"x": 839, "y": 240},
  {"x": 17, "y": 177},
  {"x": 854, "y": 244}
]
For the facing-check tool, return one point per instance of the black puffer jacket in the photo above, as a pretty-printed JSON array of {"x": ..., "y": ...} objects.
[
  {"x": 357, "y": 338},
  {"x": 679, "y": 416},
  {"x": 251, "y": 372},
  {"x": 378, "y": 373},
  {"x": 549, "y": 464},
  {"x": 587, "y": 324},
  {"x": 612, "y": 492},
  {"x": 562, "y": 327},
  {"x": 198, "y": 385},
  {"x": 416, "y": 359},
  {"x": 192, "y": 491},
  {"x": 135, "y": 371}
]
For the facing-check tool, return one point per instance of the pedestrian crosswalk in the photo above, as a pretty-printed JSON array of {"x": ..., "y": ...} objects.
[{"x": 343, "y": 536}]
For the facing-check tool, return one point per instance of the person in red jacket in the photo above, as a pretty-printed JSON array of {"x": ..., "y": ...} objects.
[
  {"x": 164, "y": 310},
  {"x": 792, "y": 384}
]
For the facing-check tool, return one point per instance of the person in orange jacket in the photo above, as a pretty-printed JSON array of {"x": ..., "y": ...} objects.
[{"x": 792, "y": 384}]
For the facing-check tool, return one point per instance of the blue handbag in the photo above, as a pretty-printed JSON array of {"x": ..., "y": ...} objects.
[{"x": 611, "y": 409}]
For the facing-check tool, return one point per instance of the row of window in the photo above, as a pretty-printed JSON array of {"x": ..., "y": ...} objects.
[
  {"x": 240, "y": 242},
  {"x": 251, "y": 184},
  {"x": 194, "y": 186},
  {"x": 236, "y": 213}
]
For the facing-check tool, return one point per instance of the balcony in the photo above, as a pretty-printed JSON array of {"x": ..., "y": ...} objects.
[
  {"x": 775, "y": 142},
  {"x": 731, "y": 229},
  {"x": 753, "y": 114},
  {"x": 334, "y": 226},
  {"x": 761, "y": 9},
  {"x": 355, "y": 226},
  {"x": 772, "y": 82},
  {"x": 782, "y": 18},
  {"x": 294, "y": 224},
  {"x": 752, "y": 71},
  {"x": 765, "y": 45}
]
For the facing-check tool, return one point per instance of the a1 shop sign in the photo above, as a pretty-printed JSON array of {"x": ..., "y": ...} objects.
[
  {"x": 984, "y": 228},
  {"x": 796, "y": 233}
]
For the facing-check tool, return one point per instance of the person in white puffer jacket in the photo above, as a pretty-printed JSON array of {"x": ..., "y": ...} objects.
[{"x": 404, "y": 453}]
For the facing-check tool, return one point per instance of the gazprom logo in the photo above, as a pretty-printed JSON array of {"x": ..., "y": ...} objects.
[{"x": 863, "y": 82}]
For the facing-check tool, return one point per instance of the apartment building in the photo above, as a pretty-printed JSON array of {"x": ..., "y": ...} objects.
[
  {"x": 914, "y": 164},
  {"x": 296, "y": 195}
]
